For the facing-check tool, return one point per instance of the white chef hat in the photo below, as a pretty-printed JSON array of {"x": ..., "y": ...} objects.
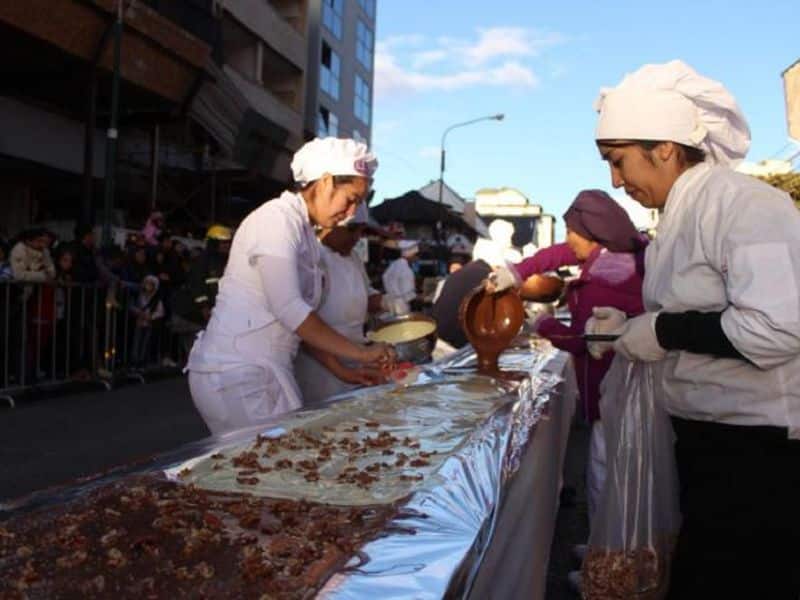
[
  {"x": 332, "y": 155},
  {"x": 672, "y": 102},
  {"x": 501, "y": 231}
]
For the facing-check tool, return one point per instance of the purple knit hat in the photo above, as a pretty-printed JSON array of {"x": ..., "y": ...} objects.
[{"x": 598, "y": 217}]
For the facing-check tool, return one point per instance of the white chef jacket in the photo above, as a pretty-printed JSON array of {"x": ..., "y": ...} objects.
[
  {"x": 729, "y": 242},
  {"x": 344, "y": 308},
  {"x": 272, "y": 281},
  {"x": 398, "y": 281}
]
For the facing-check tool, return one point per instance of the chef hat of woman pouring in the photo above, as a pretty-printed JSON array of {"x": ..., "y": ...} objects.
[
  {"x": 332, "y": 155},
  {"x": 672, "y": 102}
]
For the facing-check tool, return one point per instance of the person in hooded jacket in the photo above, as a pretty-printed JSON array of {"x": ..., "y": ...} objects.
[
  {"x": 604, "y": 243},
  {"x": 147, "y": 310},
  {"x": 721, "y": 327}
]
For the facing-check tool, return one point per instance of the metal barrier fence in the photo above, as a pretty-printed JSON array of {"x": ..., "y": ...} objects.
[{"x": 55, "y": 334}]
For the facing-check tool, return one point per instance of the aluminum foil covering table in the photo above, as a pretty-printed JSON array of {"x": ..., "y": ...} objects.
[
  {"x": 458, "y": 519},
  {"x": 453, "y": 511}
]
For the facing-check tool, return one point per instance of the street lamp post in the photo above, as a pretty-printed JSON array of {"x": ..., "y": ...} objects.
[{"x": 440, "y": 224}]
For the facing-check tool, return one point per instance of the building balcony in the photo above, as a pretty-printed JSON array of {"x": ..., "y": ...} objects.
[
  {"x": 269, "y": 106},
  {"x": 157, "y": 55},
  {"x": 262, "y": 19}
]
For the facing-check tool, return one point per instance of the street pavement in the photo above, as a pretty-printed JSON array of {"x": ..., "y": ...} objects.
[{"x": 53, "y": 440}]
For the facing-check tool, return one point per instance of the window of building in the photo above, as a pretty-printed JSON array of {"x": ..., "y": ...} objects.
[
  {"x": 333, "y": 125},
  {"x": 330, "y": 69},
  {"x": 327, "y": 123},
  {"x": 364, "y": 40},
  {"x": 332, "y": 11},
  {"x": 358, "y": 137},
  {"x": 361, "y": 105},
  {"x": 368, "y": 7}
]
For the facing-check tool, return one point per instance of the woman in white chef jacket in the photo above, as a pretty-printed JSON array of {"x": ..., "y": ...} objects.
[
  {"x": 240, "y": 368},
  {"x": 722, "y": 291},
  {"x": 398, "y": 279},
  {"x": 346, "y": 301}
]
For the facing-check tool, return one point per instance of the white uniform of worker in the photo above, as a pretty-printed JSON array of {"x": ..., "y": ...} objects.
[
  {"x": 725, "y": 242},
  {"x": 498, "y": 249},
  {"x": 727, "y": 245},
  {"x": 399, "y": 281},
  {"x": 344, "y": 308},
  {"x": 241, "y": 366}
]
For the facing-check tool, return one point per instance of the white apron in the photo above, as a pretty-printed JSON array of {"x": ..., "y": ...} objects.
[
  {"x": 241, "y": 367},
  {"x": 344, "y": 308},
  {"x": 398, "y": 281}
]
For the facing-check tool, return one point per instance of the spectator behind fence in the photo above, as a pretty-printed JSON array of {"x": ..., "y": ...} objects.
[
  {"x": 167, "y": 264},
  {"x": 31, "y": 263},
  {"x": 69, "y": 361},
  {"x": 84, "y": 249},
  {"x": 30, "y": 258},
  {"x": 5, "y": 267},
  {"x": 147, "y": 309},
  {"x": 137, "y": 267},
  {"x": 153, "y": 228}
]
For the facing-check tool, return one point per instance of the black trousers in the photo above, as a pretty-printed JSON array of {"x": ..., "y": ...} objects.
[{"x": 740, "y": 500}]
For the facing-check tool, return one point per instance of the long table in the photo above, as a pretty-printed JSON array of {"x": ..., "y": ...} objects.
[
  {"x": 515, "y": 564},
  {"x": 485, "y": 528}
]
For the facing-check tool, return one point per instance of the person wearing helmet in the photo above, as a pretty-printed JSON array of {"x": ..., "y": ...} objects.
[
  {"x": 241, "y": 367},
  {"x": 193, "y": 301},
  {"x": 721, "y": 328}
]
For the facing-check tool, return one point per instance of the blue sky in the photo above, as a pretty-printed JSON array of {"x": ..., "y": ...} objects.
[{"x": 439, "y": 62}]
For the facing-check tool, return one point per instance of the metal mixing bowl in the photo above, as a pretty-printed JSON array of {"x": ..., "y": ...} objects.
[{"x": 418, "y": 350}]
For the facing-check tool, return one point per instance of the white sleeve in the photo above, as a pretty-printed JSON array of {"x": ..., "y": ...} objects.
[
  {"x": 273, "y": 232},
  {"x": 280, "y": 281},
  {"x": 756, "y": 240}
]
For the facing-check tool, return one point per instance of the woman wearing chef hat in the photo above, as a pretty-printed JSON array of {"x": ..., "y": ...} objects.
[
  {"x": 346, "y": 301},
  {"x": 722, "y": 295},
  {"x": 399, "y": 281},
  {"x": 240, "y": 368}
]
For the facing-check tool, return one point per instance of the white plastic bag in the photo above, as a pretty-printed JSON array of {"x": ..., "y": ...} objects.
[{"x": 638, "y": 516}]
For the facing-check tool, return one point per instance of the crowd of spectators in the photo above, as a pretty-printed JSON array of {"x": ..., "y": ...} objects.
[{"x": 52, "y": 287}]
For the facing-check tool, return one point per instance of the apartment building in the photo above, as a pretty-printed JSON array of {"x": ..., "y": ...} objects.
[
  {"x": 215, "y": 98},
  {"x": 341, "y": 65}
]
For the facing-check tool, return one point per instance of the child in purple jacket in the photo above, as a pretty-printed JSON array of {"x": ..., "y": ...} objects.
[{"x": 603, "y": 241}]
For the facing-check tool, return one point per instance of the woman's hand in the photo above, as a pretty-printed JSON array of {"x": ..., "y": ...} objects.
[
  {"x": 501, "y": 279},
  {"x": 362, "y": 376},
  {"x": 604, "y": 320},
  {"x": 379, "y": 354}
]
